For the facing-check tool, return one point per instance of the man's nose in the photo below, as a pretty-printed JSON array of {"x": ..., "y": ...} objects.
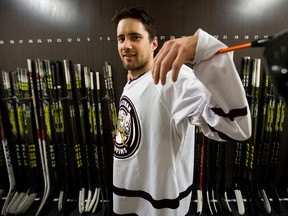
[{"x": 127, "y": 44}]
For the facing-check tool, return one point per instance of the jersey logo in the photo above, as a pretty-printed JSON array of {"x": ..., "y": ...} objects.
[{"x": 128, "y": 134}]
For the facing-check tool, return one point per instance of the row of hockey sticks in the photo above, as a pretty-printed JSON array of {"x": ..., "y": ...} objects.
[
  {"x": 18, "y": 143},
  {"x": 252, "y": 157},
  {"x": 83, "y": 102},
  {"x": 210, "y": 180},
  {"x": 68, "y": 121},
  {"x": 255, "y": 160},
  {"x": 262, "y": 149}
]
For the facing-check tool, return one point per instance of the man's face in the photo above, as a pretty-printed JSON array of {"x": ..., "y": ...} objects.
[{"x": 134, "y": 46}]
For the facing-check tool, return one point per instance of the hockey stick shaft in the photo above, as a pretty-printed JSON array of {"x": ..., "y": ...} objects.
[{"x": 256, "y": 43}]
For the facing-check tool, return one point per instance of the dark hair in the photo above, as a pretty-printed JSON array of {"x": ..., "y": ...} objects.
[{"x": 136, "y": 13}]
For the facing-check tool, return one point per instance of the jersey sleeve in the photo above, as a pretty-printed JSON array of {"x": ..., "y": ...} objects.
[
  {"x": 211, "y": 95},
  {"x": 225, "y": 113}
]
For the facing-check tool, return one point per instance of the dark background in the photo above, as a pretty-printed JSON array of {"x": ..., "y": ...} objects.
[{"x": 82, "y": 31}]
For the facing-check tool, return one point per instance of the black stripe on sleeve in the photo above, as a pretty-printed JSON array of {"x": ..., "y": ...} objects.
[
  {"x": 232, "y": 113},
  {"x": 222, "y": 135}
]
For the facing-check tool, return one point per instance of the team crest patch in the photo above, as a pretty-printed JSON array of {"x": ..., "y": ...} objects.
[{"x": 128, "y": 132}]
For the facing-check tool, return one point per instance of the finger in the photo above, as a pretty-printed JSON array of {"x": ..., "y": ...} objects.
[
  {"x": 165, "y": 68},
  {"x": 155, "y": 71},
  {"x": 166, "y": 64},
  {"x": 157, "y": 64},
  {"x": 178, "y": 62}
]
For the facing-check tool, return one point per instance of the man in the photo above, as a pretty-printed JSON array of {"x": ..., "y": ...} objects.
[{"x": 154, "y": 149}]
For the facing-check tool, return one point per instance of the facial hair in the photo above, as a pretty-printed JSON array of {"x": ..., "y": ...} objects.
[{"x": 135, "y": 66}]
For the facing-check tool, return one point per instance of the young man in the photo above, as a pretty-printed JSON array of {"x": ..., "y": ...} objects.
[{"x": 154, "y": 149}]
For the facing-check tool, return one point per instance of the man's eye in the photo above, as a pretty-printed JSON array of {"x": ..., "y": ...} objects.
[
  {"x": 136, "y": 37},
  {"x": 121, "y": 40}
]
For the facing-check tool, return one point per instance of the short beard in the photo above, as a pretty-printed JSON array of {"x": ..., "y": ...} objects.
[{"x": 135, "y": 66}]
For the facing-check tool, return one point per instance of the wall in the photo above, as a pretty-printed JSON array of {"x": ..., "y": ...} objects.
[{"x": 82, "y": 31}]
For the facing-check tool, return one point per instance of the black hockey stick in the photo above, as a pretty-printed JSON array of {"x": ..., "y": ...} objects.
[
  {"x": 237, "y": 176},
  {"x": 49, "y": 133},
  {"x": 10, "y": 154},
  {"x": 100, "y": 147},
  {"x": 58, "y": 98},
  {"x": 247, "y": 150},
  {"x": 4, "y": 182},
  {"x": 82, "y": 121},
  {"x": 221, "y": 200},
  {"x": 223, "y": 171},
  {"x": 238, "y": 170},
  {"x": 89, "y": 83},
  {"x": 23, "y": 193},
  {"x": 274, "y": 149},
  {"x": 72, "y": 127},
  {"x": 260, "y": 202},
  {"x": 110, "y": 97},
  {"x": 197, "y": 194},
  {"x": 260, "y": 206},
  {"x": 262, "y": 151},
  {"x": 33, "y": 136},
  {"x": 209, "y": 203}
]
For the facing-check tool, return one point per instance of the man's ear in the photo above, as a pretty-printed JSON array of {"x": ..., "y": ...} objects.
[{"x": 154, "y": 43}]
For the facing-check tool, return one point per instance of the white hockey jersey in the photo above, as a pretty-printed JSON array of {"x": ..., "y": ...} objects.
[{"x": 154, "y": 150}]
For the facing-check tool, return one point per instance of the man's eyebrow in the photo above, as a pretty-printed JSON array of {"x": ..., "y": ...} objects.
[{"x": 130, "y": 34}]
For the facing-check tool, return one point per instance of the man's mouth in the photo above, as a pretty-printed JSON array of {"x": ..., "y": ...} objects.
[{"x": 128, "y": 56}]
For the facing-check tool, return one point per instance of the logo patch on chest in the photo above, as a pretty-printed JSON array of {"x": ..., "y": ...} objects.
[{"x": 128, "y": 134}]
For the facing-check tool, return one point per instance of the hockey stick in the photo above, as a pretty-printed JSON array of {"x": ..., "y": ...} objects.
[
  {"x": 81, "y": 120},
  {"x": 198, "y": 167},
  {"x": 10, "y": 171},
  {"x": 220, "y": 180},
  {"x": 23, "y": 193},
  {"x": 247, "y": 152},
  {"x": 92, "y": 147},
  {"x": 256, "y": 43},
  {"x": 275, "y": 59},
  {"x": 73, "y": 133},
  {"x": 224, "y": 196},
  {"x": 101, "y": 158},
  {"x": 32, "y": 135},
  {"x": 87, "y": 148},
  {"x": 237, "y": 175},
  {"x": 275, "y": 142},
  {"x": 86, "y": 130},
  {"x": 58, "y": 98},
  {"x": 262, "y": 150},
  {"x": 8, "y": 152},
  {"x": 26, "y": 197},
  {"x": 239, "y": 152},
  {"x": 254, "y": 140},
  {"x": 260, "y": 199},
  {"x": 95, "y": 137},
  {"x": 110, "y": 97},
  {"x": 48, "y": 131},
  {"x": 4, "y": 186},
  {"x": 208, "y": 178},
  {"x": 4, "y": 182},
  {"x": 39, "y": 92}
]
